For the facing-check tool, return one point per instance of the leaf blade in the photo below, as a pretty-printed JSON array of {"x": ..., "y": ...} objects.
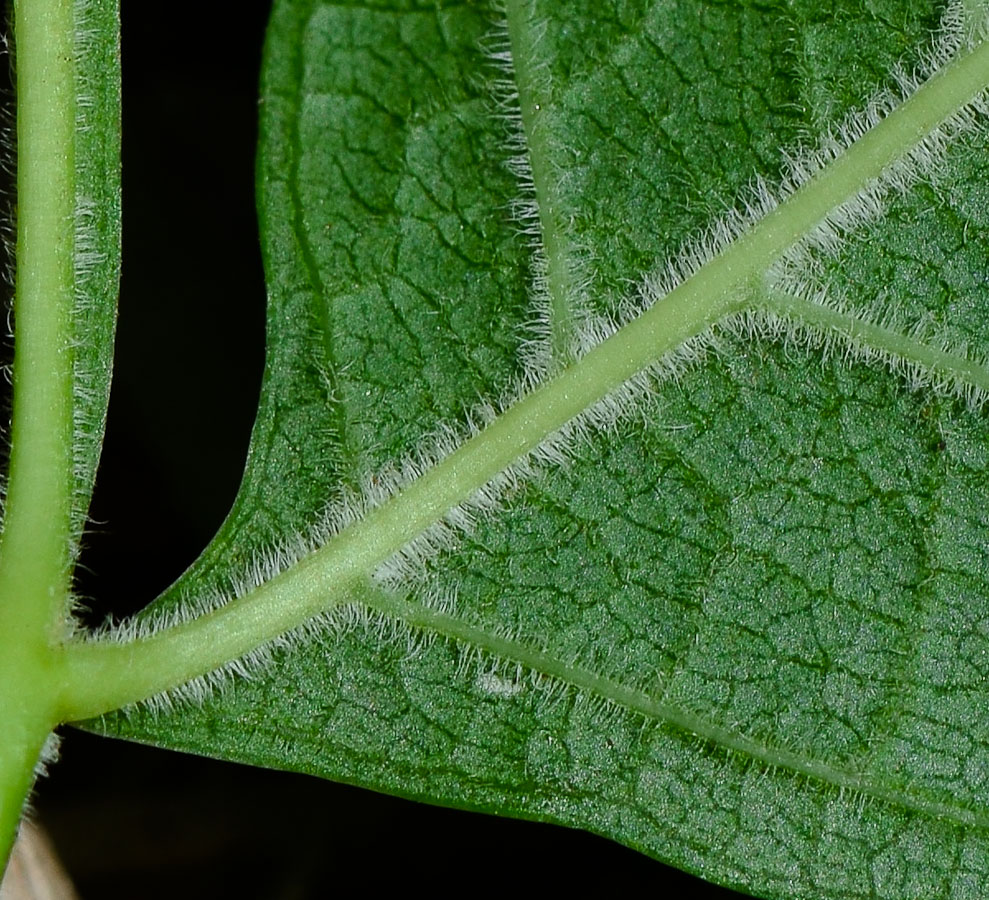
[
  {"x": 776, "y": 404},
  {"x": 98, "y": 232}
]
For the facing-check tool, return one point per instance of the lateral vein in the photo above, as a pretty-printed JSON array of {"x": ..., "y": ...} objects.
[
  {"x": 538, "y": 177},
  {"x": 885, "y": 343},
  {"x": 660, "y": 710}
]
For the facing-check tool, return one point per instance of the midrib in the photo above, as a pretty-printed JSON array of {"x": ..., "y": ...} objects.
[{"x": 727, "y": 285}]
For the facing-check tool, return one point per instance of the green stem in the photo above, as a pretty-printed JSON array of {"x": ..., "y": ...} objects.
[
  {"x": 19, "y": 751},
  {"x": 35, "y": 545},
  {"x": 34, "y": 549},
  {"x": 26, "y": 719}
]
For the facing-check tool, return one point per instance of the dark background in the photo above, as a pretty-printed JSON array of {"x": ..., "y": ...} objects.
[{"x": 132, "y": 821}]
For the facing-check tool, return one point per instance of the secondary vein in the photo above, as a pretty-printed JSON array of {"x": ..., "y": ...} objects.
[
  {"x": 660, "y": 710},
  {"x": 887, "y": 343},
  {"x": 554, "y": 270}
]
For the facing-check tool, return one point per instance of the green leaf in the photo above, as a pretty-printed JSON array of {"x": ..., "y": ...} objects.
[
  {"x": 97, "y": 250},
  {"x": 735, "y": 617}
]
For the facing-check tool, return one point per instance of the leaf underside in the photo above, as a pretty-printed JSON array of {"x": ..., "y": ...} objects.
[
  {"x": 744, "y": 629},
  {"x": 97, "y": 237}
]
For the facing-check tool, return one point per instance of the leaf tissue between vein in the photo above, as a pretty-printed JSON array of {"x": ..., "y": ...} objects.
[{"x": 748, "y": 275}]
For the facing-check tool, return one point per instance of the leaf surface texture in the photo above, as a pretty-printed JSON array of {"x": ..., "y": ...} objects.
[{"x": 740, "y": 623}]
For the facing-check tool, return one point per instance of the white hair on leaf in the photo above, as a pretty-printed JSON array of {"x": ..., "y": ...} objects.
[{"x": 408, "y": 571}]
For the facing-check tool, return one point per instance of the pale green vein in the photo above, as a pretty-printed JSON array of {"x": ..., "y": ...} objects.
[
  {"x": 658, "y": 710},
  {"x": 885, "y": 343},
  {"x": 532, "y": 86}
]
